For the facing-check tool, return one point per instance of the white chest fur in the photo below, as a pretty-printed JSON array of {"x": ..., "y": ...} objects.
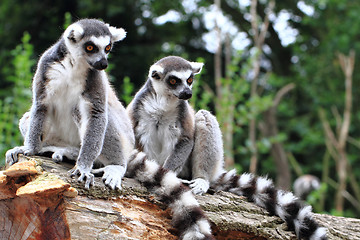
[
  {"x": 159, "y": 127},
  {"x": 63, "y": 94}
]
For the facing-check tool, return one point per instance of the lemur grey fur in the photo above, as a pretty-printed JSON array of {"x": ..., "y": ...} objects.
[
  {"x": 168, "y": 131},
  {"x": 76, "y": 114}
]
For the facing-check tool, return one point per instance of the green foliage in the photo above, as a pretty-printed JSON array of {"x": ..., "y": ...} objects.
[
  {"x": 19, "y": 101},
  {"x": 67, "y": 20},
  {"x": 235, "y": 108},
  {"x": 316, "y": 197},
  {"x": 127, "y": 91},
  {"x": 202, "y": 93}
]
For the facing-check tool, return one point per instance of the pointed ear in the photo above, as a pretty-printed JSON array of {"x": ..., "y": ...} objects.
[
  {"x": 117, "y": 34},
  {"x": 196, "y": 66},
  {"x": 74, "y": 32},
  {"x": 156, "y": 72}
]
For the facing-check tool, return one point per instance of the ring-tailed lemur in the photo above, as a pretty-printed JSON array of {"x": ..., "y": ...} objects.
[
  {"x": 168, "y": 131},
  {"x": 76, "y": 114}
]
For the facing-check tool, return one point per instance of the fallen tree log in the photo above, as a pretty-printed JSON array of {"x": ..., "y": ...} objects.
[{"x": 39, "y": 200}]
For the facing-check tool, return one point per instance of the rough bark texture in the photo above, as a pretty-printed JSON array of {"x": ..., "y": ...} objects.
[{"x": 42, "y": 205}]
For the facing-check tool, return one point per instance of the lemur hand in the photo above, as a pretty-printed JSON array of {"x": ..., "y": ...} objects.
[
  {"x": 199, "y": 186},
  {"x": 84, "y": 173},
  {"x": 113, "y": 175},
  {"x": 12, "y": 155}
]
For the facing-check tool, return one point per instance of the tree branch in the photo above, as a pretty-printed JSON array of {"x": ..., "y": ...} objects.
[
  {"x": 347, "y": 65},
  {"x": 281, "y": 93}
]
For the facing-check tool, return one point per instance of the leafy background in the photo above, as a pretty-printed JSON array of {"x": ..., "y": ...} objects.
[{"x": 309, "y": 60}]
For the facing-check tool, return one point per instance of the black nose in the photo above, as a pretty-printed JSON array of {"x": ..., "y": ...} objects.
[
  {"x": 186, "y": 94},
  {"x": 101, "y": 64}
]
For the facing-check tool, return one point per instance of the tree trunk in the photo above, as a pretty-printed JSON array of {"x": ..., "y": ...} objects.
[
  {"x": 227, "y": 127},
  {"x": 270, "y": 129},
  {"x": 217, "y": 59},
  {"x": 341, "y": 169},
  {"x": 259, "y": 34},
  {"x": 41, "y": 206}
]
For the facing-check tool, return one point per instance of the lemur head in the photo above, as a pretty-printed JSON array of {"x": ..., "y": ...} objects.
[
  {"x": 91, "y": 40},
  {"x": 173, "y": 76}
]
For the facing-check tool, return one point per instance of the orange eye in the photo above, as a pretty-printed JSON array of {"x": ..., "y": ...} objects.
[
  {"x": 172, "y": 81},
  {"x": 89, "y": 48},
  {"x": 190, "y": 80},
  {"x": 108, "y": 48}
]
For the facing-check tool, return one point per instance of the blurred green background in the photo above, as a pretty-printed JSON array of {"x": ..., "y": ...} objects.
[{"x": 275, "y": 75}]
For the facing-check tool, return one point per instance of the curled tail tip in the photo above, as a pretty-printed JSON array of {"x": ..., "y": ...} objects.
[
  {"x": 200, "y": 230},
  {"x": 190, "y": 219}
]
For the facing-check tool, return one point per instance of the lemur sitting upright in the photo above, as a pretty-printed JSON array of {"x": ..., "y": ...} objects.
[
  {"x": 168, "y": 131},
  {"x": 76, "y": 114}
]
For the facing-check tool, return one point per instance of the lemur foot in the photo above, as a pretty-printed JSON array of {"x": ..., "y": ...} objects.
[
  {"x": 84, "y": 174},
  {"x": 199, "y": 186},
  {"x": 113, "y": 175},
  {"x": 60, "y": 152},
  {"x": 57, "y": 157}
]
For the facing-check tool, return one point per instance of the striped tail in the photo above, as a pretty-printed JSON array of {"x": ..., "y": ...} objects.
[
  {"x": 188, "y": 217},
  {"x": 263, "y": 193}
]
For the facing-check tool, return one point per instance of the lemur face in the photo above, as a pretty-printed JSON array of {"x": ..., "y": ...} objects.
[
  {"x": 91, "y": 40},
  {"x": 173, "y": 76}
]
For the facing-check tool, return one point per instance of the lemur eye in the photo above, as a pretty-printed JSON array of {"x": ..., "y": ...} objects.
[
  {"x": 190, "y": 80},
  {"x": 172, "y": 81},
  {"x": 89, "y": 48},
  {"x": 108, "y": 48}
]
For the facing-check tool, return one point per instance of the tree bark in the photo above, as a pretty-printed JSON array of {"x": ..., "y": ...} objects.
[
  {"x": 269, "y": 129},
  {"x": 43, "y": 212}
]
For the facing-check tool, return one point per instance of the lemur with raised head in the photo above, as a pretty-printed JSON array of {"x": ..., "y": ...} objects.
[
  {"x": 76, "y": 114},
  {"x": 168, "y": 131}
]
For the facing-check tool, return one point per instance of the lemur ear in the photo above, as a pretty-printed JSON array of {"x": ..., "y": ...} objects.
[
  {"x": 118, "y": 34},
  {"x": 156, "y": 72},
  {"x": 74, "y": 32},
  {"x": 196, "y": 66}
]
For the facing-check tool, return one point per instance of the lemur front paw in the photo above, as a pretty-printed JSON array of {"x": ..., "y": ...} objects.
[
  {"x": 84, "y": 174},
  {"x": 199, "y": 186},
  {"x": 113, "y": 175},
  {"x": 12, "y": 155}
]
